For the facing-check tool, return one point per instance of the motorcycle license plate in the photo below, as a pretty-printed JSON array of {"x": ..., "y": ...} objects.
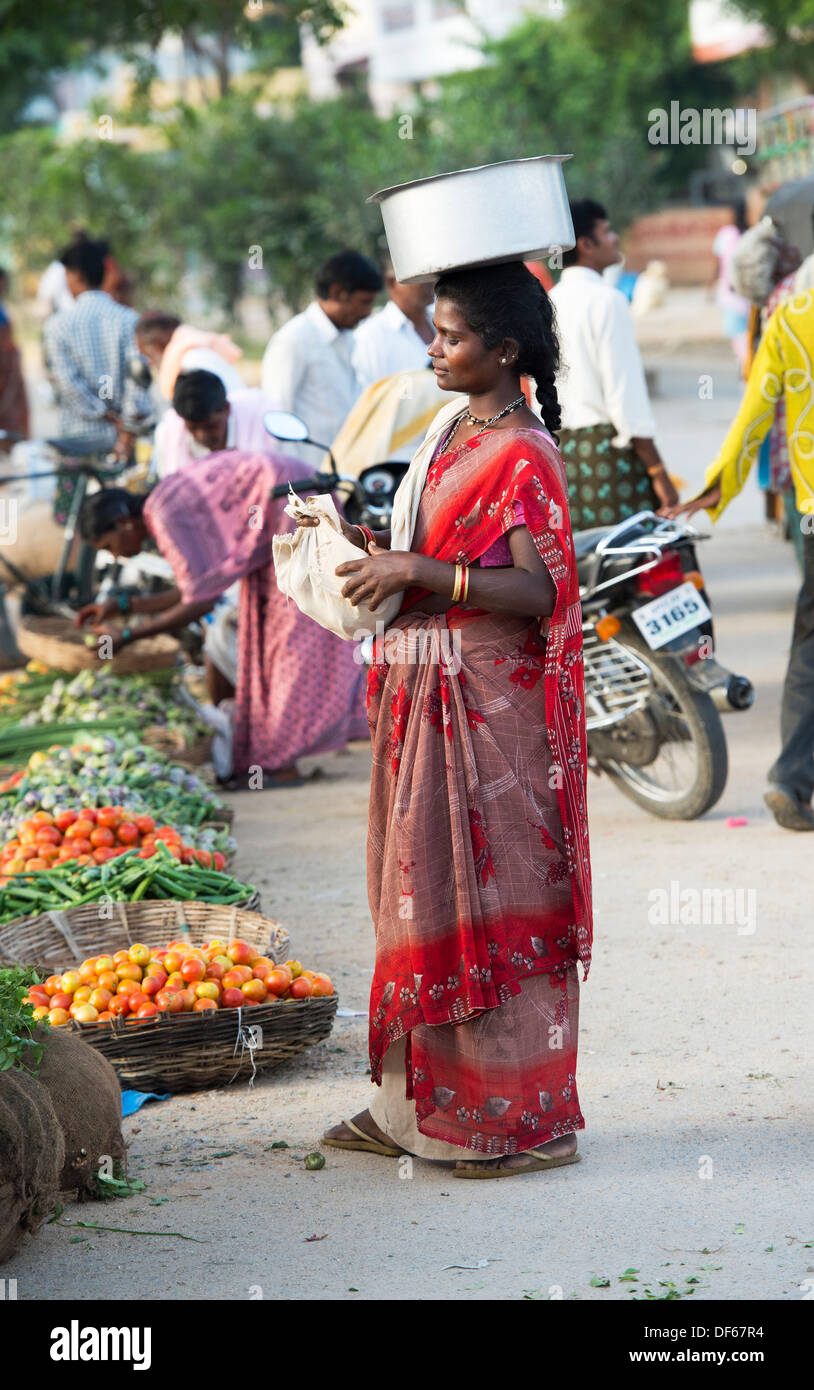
[{"x": 671, "y": 615}]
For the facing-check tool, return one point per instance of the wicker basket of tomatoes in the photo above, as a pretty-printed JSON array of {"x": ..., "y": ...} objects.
[{"x": 214, "y": 1004}]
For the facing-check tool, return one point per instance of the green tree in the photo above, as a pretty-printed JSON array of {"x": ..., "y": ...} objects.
[{"x": 39, "y": 40}]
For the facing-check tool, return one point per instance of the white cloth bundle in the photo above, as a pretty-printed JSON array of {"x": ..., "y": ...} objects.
[
  {"x": 305, "y": 568},
  {"x": 305, "y": 561}
]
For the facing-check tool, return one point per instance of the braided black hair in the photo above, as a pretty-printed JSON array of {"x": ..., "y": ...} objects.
[{"x": 507, "y": 301}]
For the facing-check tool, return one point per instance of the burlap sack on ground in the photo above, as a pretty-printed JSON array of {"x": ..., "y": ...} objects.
[
  {"x": 32, "y": 1155},
  {"x": 87, "y": 1098}
]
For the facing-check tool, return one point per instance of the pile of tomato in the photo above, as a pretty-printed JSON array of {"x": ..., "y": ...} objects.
[
  {"x": 141, "y": 982},
  {"x": 93, "y": 835}
]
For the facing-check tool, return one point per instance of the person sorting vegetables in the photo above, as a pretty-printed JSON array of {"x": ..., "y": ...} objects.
[{"x": 299, "y": 689}]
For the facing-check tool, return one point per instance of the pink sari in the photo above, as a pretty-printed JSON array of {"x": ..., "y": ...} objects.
[{"x": 299, "y": 689}]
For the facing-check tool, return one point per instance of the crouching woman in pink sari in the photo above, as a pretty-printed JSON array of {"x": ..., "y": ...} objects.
[
  {"x": 478, "y": 866},
  {"x": 299, "y": 689}
]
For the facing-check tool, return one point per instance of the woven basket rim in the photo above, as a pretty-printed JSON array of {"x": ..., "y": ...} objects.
[{"x": 61, "y": 655}]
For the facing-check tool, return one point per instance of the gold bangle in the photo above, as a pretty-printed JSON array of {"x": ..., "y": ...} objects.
[
  {"x": 465, "y": 586},
  {"x": 459, "y": 575}
]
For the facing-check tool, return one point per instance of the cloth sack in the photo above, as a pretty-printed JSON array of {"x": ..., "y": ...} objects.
[
  {"x": 304, "y": 566},
  {"x": 305, "y": 561}
]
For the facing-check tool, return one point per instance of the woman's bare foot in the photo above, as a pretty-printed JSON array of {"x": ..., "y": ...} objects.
[
  {"x": 555, "y": 1148},
  {"x": 364, "y": 1121}
]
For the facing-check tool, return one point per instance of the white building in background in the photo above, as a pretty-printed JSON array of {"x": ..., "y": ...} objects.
[{"x": 394, "y": 46}]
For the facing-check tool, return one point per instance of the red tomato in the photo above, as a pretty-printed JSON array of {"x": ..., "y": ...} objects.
[
  {"x": 82, "y": 828},
  {"x": 61, "y": 1000},
  {"x": 203, "y": 1005},
  {"x": 49, "y": 835},
  {"x": 232, "y": 998},
  {"x": 204, "y": 857},
  {"x": 193, "y": 970},
  {"x": 43, "y": 818},
  {"x": 278, "y": 981},
  {"x": 101, "y": 837},
  {"x": 127, "y": 833},
  {"x": 148, "y": 1010},
  {"x": 144, "y": 824},
  {"x": 169, "y": 1001},
  {"x": 101, "y": 855},
  {"x": 300, "y": 988},
  {"x": 63, "y": 819},
  {"x": 49, "y": 853},
  {"x": 89, "y": 813},
  {"x": 147, "y": 852},
  {"x": 219, "y": 860},
  {"x": 137, "y": 999},
  {"x": 119, "y": 1005},
  {"x": 81, "y": 844},
  {"x": 107, "y": 817},
  {"x": 35, "y": 865}
]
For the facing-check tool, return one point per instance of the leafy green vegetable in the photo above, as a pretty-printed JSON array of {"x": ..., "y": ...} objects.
[{"x": 17, "y": 1021}]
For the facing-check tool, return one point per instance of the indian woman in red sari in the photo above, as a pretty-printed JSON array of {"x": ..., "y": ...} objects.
[{"x": 478, "y": 866}]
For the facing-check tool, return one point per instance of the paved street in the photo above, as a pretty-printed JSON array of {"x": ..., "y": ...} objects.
[{"x": 695, "y": 1045}]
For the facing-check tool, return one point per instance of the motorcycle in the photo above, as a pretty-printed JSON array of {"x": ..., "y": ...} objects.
[
  {"x": 367, "y": 500},
  {"x": 654, "y": 692}
]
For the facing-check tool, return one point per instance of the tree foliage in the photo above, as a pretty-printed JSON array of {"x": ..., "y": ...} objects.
[{"x": 229, "y": 184}]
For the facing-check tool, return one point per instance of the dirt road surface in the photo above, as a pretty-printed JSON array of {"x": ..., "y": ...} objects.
[{"x": 694, "y": 1069}]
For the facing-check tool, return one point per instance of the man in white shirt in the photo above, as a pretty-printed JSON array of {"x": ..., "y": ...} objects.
[
  {"x": 607, "y": 441},
  {"x": 396, "y": 338},
  {"x": 308, "y": 363}
]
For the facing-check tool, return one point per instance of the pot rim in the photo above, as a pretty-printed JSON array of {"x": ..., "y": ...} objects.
[{"x": 474, "y": 169}]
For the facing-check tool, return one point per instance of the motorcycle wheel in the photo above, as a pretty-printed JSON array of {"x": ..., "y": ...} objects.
[{"x": 675, "y": 787}]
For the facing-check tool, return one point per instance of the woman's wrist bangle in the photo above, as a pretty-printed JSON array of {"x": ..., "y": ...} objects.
[
  {"x": 127, "y": 634},
  {"x": 123, "y": 601},
  {"x": 456, "y": 588},
  {"x": 367, "y": 536},
  {"x": 465, "y": 585}
]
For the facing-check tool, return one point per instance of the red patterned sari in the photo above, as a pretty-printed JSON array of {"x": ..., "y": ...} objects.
[{"x": 478, "y": 866}]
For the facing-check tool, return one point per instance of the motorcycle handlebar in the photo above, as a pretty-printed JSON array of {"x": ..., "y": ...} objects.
[{"x": 319, "y": 484}]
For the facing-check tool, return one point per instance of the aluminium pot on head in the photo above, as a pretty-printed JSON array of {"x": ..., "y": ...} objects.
[{"x": 515, "y": 210}]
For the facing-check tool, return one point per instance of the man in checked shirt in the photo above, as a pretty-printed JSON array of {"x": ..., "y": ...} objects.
[{"x": 88, "y": 348}]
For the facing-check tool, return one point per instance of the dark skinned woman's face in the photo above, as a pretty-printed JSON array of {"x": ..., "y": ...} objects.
[
  {"x": 125, "y": 540},
  {"x": 460, "y": 359}
]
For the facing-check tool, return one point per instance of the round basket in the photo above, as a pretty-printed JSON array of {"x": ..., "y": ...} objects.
[
  {"x": 186, "y": 1052},
  {"x": 53, "y": 942},
  {"x": 58, "y": 644},
  {"x": 171, "y": 743}
]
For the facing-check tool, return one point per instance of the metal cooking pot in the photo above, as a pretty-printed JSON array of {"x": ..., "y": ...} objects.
[{"x": 515, "y": 210}]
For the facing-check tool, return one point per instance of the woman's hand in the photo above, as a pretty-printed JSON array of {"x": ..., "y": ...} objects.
[
  {"x": 374, "y": 579},
  {"x": 351, "y": 533},
  {"x": 113, "y": 635},
  {"x": 710, "y": 498},
  {"x": 98, "y": 612}
]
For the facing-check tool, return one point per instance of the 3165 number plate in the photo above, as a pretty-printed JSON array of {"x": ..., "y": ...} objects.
[{"x": 671, "y": 615}]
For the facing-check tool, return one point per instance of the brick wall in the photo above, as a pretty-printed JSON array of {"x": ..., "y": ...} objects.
[{"x": 682, "y": 237}]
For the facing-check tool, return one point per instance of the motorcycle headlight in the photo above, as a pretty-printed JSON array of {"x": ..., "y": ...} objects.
[{"x": 379, "y": 481}]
